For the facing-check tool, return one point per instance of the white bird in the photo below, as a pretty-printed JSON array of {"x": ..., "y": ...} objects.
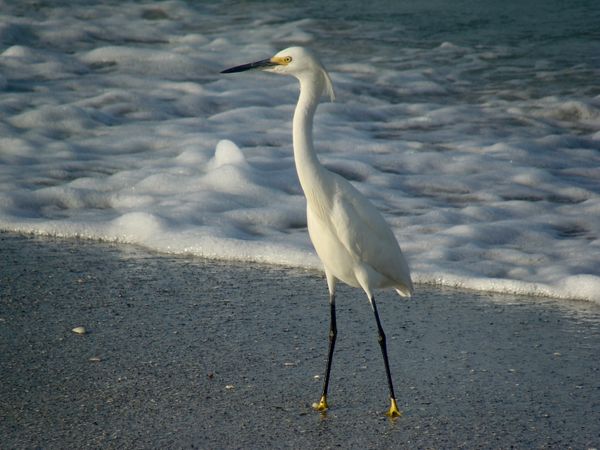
[{"x": 352, "y": 239}]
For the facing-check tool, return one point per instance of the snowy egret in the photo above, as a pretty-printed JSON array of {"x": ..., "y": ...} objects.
[{"x": 352, "y": 239}]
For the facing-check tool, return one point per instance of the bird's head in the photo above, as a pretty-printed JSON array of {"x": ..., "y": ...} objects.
[{"x": 297, "y": 61}]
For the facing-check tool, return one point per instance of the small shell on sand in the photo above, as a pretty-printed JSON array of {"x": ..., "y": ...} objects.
[{"x": 79, "y": 330}]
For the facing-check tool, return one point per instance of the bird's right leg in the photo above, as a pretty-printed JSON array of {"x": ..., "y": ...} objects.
[
  {"x": 393, "y": 411},
  {"x": 322, "y": 405}
]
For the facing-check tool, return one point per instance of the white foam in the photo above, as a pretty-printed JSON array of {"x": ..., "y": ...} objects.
[{"x": 119, "y": 127}]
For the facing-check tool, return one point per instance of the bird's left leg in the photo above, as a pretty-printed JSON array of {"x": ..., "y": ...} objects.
[
  {"x": 393, "y": 411},
  {"x": 322, "y": 405}
]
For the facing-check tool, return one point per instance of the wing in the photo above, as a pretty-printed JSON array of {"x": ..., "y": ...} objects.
[{"x": 361, "y": 228}]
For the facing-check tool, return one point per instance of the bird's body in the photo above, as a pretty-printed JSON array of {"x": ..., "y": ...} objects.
[
  {"x": 352, "y": 239},
  {"x": 367, "y": 259}
]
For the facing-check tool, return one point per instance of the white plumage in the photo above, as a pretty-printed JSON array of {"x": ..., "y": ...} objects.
[{"x": 352, "y": 239}]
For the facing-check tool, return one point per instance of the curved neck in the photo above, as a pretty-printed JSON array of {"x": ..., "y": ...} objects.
[{"x": 307, "y": 163}]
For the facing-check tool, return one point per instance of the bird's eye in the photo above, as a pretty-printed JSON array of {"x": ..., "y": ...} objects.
[{"x": 287, "y": 59}]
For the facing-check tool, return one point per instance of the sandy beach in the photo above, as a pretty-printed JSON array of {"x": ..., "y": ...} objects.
[{"x": 182, "y": 352}]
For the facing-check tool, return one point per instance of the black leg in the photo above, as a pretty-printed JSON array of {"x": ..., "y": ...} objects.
[
  {"x": 393, "y": 411},
  {"x": 332, "y": 337},
  {"x": 322, "y": 405}
]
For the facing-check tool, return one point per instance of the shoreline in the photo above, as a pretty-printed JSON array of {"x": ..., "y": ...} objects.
[
  {"x": 187, "y": 352},
  {"x": 569, "y": 293}
]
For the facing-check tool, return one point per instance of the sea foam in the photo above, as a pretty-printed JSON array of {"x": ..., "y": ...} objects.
[{"x": 118, "y": 126}]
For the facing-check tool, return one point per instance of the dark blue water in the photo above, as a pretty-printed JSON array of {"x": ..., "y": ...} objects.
[
  {"x": 465, "y": 22},
  {"x": 526, "y": 36}
]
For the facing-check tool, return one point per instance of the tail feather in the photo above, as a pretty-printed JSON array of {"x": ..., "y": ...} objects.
[{"x": 405, "y": 291}]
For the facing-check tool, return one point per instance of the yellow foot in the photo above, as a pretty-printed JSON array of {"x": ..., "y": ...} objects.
[
  {"x": 322, "y": 405},
  {"x": 393, "y": 411}
]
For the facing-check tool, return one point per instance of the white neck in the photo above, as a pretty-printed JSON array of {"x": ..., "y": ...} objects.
[{"x": 307, "y": 163}]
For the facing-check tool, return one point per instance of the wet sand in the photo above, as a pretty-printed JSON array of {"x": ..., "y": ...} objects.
[{"x": 184, "y": 352}]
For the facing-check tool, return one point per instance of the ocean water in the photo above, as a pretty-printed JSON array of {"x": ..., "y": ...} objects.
[{"x": 473, "y": 126}]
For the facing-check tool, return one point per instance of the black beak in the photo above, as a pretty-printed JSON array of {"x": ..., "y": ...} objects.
[{"x": 255, "y": 65}]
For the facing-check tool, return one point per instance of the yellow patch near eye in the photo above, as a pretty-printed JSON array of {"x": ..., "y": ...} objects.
[{"x": 281, "y": 60}]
